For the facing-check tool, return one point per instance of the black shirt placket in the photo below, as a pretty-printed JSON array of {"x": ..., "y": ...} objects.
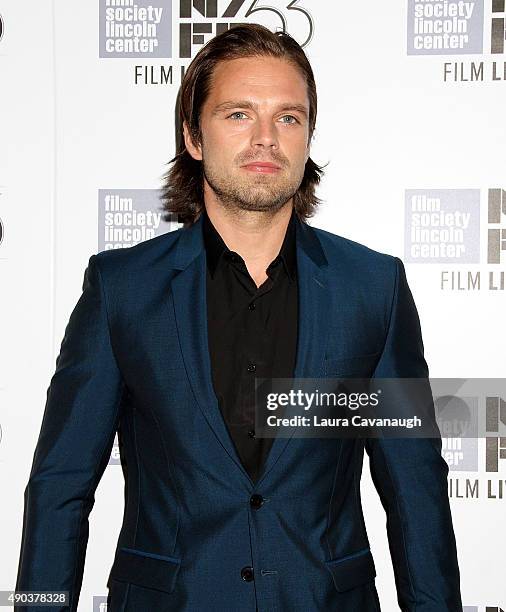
[{"x": 252, "y": 333}]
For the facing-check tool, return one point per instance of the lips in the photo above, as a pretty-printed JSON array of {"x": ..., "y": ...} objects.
[{"x": 265, "y": 167}]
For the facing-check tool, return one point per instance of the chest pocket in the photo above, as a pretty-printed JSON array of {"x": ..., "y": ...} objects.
[{"x": 359, "y": 366}]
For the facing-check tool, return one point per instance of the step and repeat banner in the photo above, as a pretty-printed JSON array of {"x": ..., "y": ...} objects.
[{"x": 412, "y": 126}]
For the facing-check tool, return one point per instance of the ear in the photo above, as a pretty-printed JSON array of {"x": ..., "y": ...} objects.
[{"x": 194, "y": 151}]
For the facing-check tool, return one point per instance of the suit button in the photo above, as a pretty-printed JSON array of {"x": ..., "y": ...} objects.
[
  {"x": 251, "y": 433},
  {"x": 256, "y": 501},
  {"x": 247, "y": 573},
  {"x": 251, "y": 367}
]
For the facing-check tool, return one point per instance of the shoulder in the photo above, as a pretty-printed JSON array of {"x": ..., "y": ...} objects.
[
  {"x": 132, "y": 260},
  {"x": 356, "y": 257}
]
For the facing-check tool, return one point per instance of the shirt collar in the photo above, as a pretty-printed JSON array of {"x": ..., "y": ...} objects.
[{"x": 215, "y": 246}]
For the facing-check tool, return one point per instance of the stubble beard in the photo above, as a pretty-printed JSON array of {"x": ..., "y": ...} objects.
[{"x": 258, "y": 192}]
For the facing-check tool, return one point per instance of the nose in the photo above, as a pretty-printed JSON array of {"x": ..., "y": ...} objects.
[{"x": 264, "y": 133}]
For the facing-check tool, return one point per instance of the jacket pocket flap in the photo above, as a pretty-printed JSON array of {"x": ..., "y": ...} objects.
[
  {"x": 353, "y": 570},
  {"x": 145, "y": 569}
]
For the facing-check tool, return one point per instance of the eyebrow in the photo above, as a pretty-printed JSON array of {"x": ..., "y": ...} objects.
[{"x": 230, "y": 104}]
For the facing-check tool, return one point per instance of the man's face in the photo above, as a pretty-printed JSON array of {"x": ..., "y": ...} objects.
[{"x": 257, "y": 110}]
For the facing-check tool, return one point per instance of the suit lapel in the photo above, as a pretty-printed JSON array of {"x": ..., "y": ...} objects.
[
  {"x": 313, "y": 313},
  {"x": 190, "y": 309}
]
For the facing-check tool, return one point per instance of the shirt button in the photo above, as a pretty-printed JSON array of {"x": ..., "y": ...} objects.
[
  {"x": 251, "y": 367},
  {"x": 247, "y": 573},
  {"x": 252, "y": 306},
  {"x": 251, "y": 433},
  {"x": 256, "y": 501}
]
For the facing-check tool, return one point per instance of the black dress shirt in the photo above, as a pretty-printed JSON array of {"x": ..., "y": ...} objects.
[{"x": 252, "y": 332}]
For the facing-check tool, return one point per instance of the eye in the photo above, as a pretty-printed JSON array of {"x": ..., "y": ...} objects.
[
  {"x": 236, "y": 113},
  {"x": 295, "y": 120}
]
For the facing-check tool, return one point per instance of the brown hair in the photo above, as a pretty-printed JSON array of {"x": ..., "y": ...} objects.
[{"x": 182, "y": 192}]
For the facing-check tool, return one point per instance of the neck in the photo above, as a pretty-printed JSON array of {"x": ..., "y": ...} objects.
[{"x": 256, "y": 235}]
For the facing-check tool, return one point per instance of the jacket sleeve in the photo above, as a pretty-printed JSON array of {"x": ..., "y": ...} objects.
[
  {"x": 75, "y": 441},
  {"x": 410, "y": 476}
]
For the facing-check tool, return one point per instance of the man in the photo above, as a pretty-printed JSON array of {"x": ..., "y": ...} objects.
[{"x": 164, "y": 346}]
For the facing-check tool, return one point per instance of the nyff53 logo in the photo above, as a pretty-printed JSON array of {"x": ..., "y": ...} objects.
[{"x": 208, "y": 19}]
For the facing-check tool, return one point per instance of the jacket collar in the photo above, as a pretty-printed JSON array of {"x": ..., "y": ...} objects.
[
  {"x": 191, "y": 242},
  {"x": 216, "y": 247}
]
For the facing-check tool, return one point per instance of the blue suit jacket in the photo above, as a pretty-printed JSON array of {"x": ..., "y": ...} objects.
[{"x": 134, "y": 359}]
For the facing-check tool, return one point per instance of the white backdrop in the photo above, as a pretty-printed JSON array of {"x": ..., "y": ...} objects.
[{"x": 77, "y": 126}]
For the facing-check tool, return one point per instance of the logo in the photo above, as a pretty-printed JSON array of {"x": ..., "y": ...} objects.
[
  {"x": 456, "y": 417},
  {"x": 459, "y": 27},
  {"x": 445, "y": 27},
  {"x": 451, "y": 226},
  {"x": 498, "y": 29},
  {"x": 481, "y": 609},
  {"x": 495, "y": 445},
  {"x": 471, "y": 418},
  {"x": 496, "y": 231},
  {"x": 462, "y": 452},
  {"x": 140, "y": 28},
  {"x": 129, "y": 216},
  {"x": 206, "y": 20},
  {"x": 99, "y": 603},
  {"x": 442, "y": 226},
  {"x": 145, "y": 29}
]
